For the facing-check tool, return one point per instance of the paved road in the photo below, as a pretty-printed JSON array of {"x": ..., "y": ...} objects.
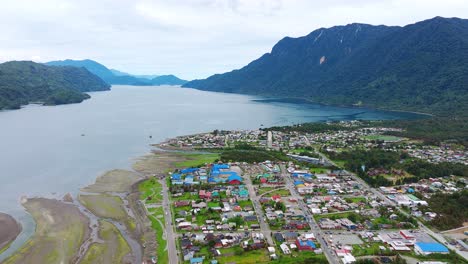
[
  {"x": 331, "y": 257},
  {"x": 170, "y": 234},
  {"x": 264, "y": 227},
  {"x": 438, "y": 236}
]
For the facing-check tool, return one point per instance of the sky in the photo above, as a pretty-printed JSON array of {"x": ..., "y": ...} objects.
[{"x": 189, "y": 38}]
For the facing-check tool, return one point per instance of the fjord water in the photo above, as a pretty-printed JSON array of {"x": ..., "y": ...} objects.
[{"x": 52, "y": 150}]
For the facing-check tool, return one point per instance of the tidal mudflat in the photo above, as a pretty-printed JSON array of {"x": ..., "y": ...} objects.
[
  {"x": 61, "y": 228},
  {"x": 9, "y": 230}
]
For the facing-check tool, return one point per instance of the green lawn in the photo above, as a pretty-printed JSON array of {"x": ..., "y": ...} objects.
[
  {"x": 382, "y": 137},
  {"x": 301, "y": 257},
  {"x": 368, "y": 249},
  {"x": 185, "y": 196},
  {"x": 243, "y": 204},
  {"x": 150, "y": 188},
  {"x": 239, "y": 256},
  {"x": 195, "y": 160},
  {"x": 339, "y": 215},
  {"x": 355, "y": 199},
  {"x": 319, "y": 170},
  {"x": 339, "y": 163},
  {"x": 158, "y": 213},
  {"x": 282, "y": 192}
]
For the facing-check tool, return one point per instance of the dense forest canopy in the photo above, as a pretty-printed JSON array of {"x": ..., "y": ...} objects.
[
  {"x": 23, "y": 82},
  {"x": 420, "y": 67}
]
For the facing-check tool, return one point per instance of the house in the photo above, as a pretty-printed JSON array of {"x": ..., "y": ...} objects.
[
  {"x": 303, "y": 244},
  {"x": 184, "y": 225},
  {"x": 276, "y": 198},
  {"x": 198, "y": 205},
  {"x": 285, "y": 249},
  {"x": 185, "y": 243},
  {"x": 250, "y": 218},
  {"x": 346, "y": 223},
  {"x": 181, "y": 203},
  {"x": 204, "y": 194},
  {"x": 348, "y": 259},
  {"x": 279, "y": 237},
  {"x": 290, "y": 237},
  {"x": 426, "y": 248},
  {"x": 196, "y": 261},
  {"x": 188, "y": 254},
  {"x": 234, "y": 179}
]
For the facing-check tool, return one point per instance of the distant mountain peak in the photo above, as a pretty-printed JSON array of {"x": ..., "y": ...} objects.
[
  {"x": 112, "y": 76},
  {"x": 419, "y": 67}
]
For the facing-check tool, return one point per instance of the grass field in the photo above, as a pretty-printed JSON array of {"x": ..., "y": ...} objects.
[
  {"x": 282, "y": 192},
  {"x": 150, "y": 188},
  {"x": 195, "y": 160},
  {"x": 301, "y": 257},
  {"x": 367, "y": 249},
  {"x": 158, "y": 226},
  {"x": 382, "y": 138},
  {"x": 237, "y": 255}
]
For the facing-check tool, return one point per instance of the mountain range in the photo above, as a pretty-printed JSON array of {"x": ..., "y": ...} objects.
[
  {"x": 23, "y": 82},
  {"x": 112, "y": 76},
  {"x": 418, "y": 67}
]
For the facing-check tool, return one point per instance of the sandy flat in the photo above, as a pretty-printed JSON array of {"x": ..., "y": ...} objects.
[{"x": 113, "y": 181}]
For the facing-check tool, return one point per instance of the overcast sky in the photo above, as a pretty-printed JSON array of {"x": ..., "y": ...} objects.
[{"x": 189, "y": 38}]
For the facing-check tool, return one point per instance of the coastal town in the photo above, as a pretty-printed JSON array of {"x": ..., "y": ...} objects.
[{"x": 305, "y": 207}]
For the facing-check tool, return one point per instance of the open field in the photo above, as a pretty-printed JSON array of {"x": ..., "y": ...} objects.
[
  {"x": 60, "y": 231},
  {"x": 382, "y": 138},
  {"x": 9, "y": 230},
  {"x": 150, "y": 191},
  {"x": 113, "y": 249},
  {"x": 194, "y": 160},
  {"x": 301, "y": 257},
  {"x": 273, "y": 191},
  {"x": 237, "y": 255},
  {"x": 113, "y": 181},
  {"x": 157, "y": 223}
]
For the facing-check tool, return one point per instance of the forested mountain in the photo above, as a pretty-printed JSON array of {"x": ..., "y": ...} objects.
[
  {"x": 167, "y": 79},
  {"x": 419, "y": 67},
  {"x": 118, "y": 77},
  {"x": 22, "y": 82}
]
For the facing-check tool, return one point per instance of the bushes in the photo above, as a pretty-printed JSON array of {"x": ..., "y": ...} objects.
[{"x": 452, "y": 209}]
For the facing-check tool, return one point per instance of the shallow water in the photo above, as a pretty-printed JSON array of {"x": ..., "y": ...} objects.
[{"x": 52, "y": 150}]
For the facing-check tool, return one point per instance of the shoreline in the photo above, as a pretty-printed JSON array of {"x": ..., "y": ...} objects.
[
  {"x": 10, "y": 229},
  {"x": 310, "y": 101},
  {"x": 131, "y": 223}
]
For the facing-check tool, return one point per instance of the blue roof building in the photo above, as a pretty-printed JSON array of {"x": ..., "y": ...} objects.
[
  {"x": 426, "y": 248},
  {"x": 234, "y": 178},
  {"x": 176, "y": 176},
  {"x": 189, "y": 170},
  {"x": 196, "y": 260}
]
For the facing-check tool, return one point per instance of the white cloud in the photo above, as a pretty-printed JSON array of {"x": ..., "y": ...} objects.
[{"x": 190, "y": 38}]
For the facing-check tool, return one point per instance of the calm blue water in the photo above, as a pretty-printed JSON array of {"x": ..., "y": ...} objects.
[{"x": 44, "y": 152}]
